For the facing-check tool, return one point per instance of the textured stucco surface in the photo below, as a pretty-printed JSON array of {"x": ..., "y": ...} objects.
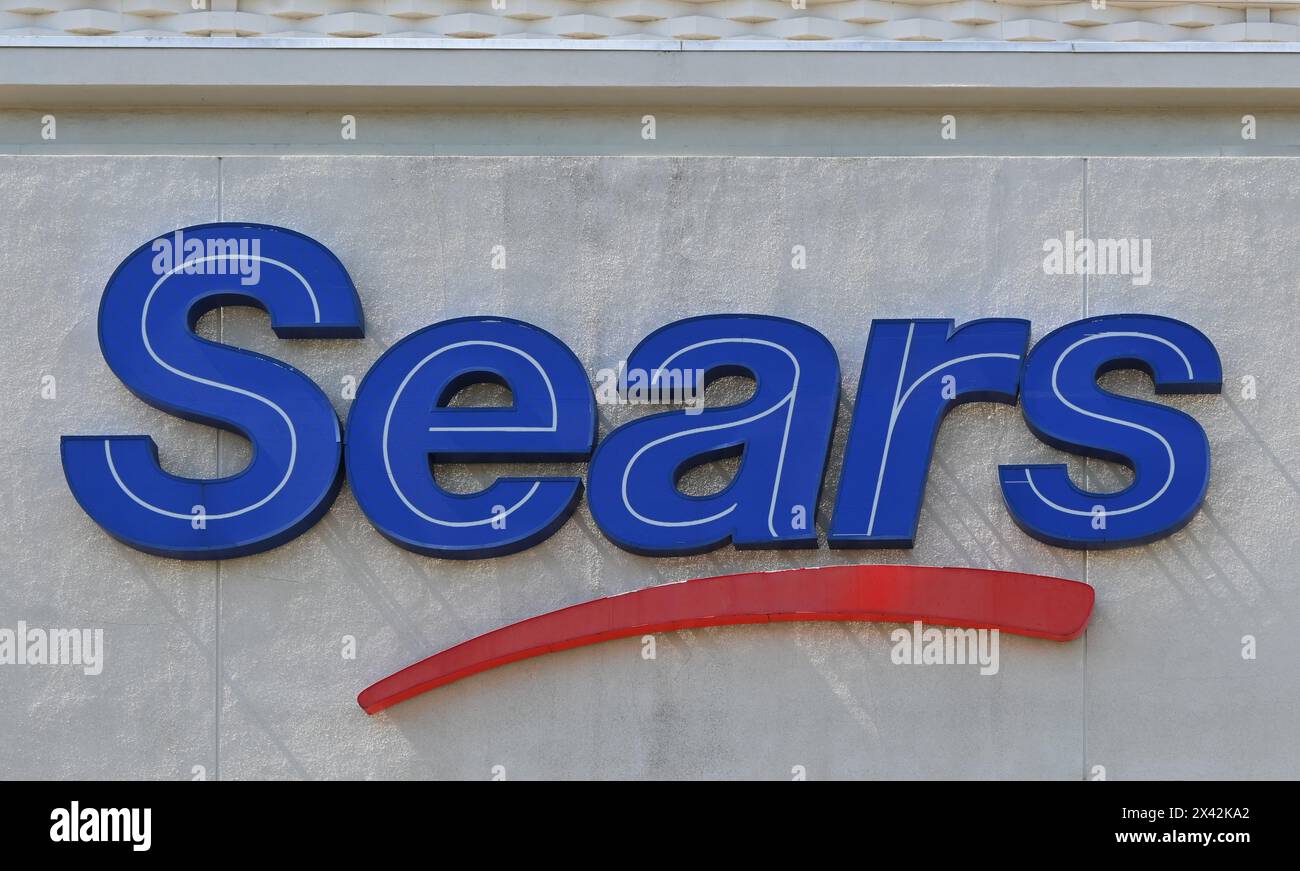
[{"x": 236, "y": 666}]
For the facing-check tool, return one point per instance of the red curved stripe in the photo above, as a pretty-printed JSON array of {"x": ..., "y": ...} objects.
[{"x": 1035, "y": 605}]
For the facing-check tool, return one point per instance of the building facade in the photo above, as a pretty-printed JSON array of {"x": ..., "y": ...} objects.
[{"x": 600, "y": 170}]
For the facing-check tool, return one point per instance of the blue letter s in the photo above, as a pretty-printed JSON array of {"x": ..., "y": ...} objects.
[
  {"x": 146, "y": 333},
  {"x": 1166, "y": 449}
]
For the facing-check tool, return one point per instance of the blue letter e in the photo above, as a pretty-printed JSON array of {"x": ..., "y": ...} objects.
[
  {"x": 146, "y": 333},
  {"x": 1166, "y": 449},
  {"x": 402, "y": 422}
]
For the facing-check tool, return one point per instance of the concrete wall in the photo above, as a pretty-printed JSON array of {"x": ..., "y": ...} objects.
[{"x": 236, "y": 666}]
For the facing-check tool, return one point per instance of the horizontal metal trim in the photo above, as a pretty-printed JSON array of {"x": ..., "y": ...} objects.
[
  {"x": 116, "y": 72},
  {"x": 660, "y": 45}
]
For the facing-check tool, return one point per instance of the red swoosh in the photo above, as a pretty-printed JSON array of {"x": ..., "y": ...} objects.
[{"x": 1035, "y": 605}]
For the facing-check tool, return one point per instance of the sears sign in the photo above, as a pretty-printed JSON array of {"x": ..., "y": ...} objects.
[{"x": 914, "y": 371}]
